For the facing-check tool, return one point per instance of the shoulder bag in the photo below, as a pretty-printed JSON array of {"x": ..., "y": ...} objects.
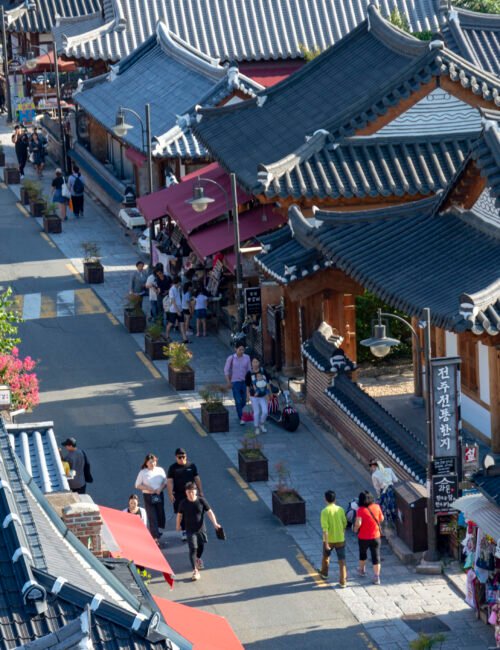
[{"x": 375, "y": 520}]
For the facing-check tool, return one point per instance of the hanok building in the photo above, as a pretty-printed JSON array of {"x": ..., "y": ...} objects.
[{"x": 169, "y": 75}]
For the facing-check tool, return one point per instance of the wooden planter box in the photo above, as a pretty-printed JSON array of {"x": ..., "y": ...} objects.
[
  {"x": 24, "y": 196},
  {"x": 2, "y": 159},
  {"x": 134, "y": 321},
  {"x": 11, "y": 175},
  {"x": 181, "y": 379},
  {"x": 289, "y": 512},
  {"x": 253, "y": 469},
  {"x": 93, "y": 272},
  {"x": 154, "y": 347},
  {"x": 37, "y": 208},
  {"x": 52, "y": 224},
  {"x": 215, "y": 421}
]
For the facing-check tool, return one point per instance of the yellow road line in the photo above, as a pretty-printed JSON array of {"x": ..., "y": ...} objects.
[
  {"x": 112, "y": 318},
  {"x": 44, "y": 235},
  {"x": 87, "y": 302},
  {"x": 243, "y": 484},
  {"x": 367, "y": 640},
  {"x": 48, "y": 308},
  {"x": 74, "y": 272},
  {"x": 22, "y": 209},
  {"x": 311, "y": 570},
  {"x": 156, "y": 374},
  {"x": 193, "y": 421}
]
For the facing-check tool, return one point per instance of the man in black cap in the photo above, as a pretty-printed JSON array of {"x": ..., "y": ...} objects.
[
  {"x": 179, "y": 474},
  {"x": 76, "y": 459}
]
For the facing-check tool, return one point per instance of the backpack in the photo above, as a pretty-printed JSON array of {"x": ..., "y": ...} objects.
[
  {"x": 86, "y": 469},
  {"x": 78, "y": 186}
]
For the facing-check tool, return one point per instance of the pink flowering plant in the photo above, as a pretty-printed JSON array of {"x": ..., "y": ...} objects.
[{"x": 18, "y": 374}]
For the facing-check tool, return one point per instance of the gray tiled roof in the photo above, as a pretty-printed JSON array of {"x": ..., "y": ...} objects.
[
  {"x": 36, "y": 447},
  {"x": 334, "y": 92},
  {"x": 366, "y": 167},
  {"x": 187, "y": 78},
  {"x": 47, "y": 13},
  {"x": 486, "y": 153},
  {"x": 241, "y": 30},
  {"x": 475, "y": 36}
]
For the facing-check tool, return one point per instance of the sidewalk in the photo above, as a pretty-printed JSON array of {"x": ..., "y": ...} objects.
[{"x": 316, "y": 460}]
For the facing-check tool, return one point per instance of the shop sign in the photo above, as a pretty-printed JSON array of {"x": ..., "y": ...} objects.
[
  {"x": 445, "y": 406},
  {"x": 446, "y": 465},
  {"x": 15, "y": 64},
  {"x": 470, "y": 458},
  {"x": 253, "y": 301},
  {"x": 444, "y": 492}
]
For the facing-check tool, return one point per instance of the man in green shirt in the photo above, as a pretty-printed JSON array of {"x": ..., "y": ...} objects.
[{"x": 333, "y": 525}]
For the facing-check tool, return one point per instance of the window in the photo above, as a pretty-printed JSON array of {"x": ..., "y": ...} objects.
[{"x": 467, "y": 349}]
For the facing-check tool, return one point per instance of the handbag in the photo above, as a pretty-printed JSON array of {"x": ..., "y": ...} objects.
[
  {"x": 65, "y": 191},
  {"x": 247, "y": 413}
]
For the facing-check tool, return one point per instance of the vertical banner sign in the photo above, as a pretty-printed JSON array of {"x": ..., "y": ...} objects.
[
  {"x": 445, "y": 405},
  {"x": 253, "y": 301}
]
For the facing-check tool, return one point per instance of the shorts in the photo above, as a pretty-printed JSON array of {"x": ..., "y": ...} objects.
[
  {"x": 173, "y": 317},
  {"x": 373, "y": 545},
  {"x": 186, "y": 312},
  {"x": 200, "y": 313},
  {"x": 340, "y": 548}
]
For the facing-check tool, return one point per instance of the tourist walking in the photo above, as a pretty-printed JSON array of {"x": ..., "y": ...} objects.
[
  {"x": 187, "y": 306},
  {"x": 134, "y": 509},
  {"x": 76, "y": 184},
  {"x": 76, "y": 459},
  {"x": 37, "y": 153},
  {"x": 153, "y": 290},
  {"x": 57, "y": 194},
  {"x": 174, "y": 309},
  {"x": 21, "y": 142},
  {"x": 163, "y": 283},
  {"x": 235, "y": 369},
  {"x": 258, "y": 391},
  {"x": 383, "y": 479},
  {"x": 200, "y": 312},
  {"x": 179, "y": 474},
  {"x": 151, "y": 481},
  {"x": 191, "y": 514},
  {"x": 367, "y": 524},
  {"x": 138, "y": 279},
  {"x": 333, "y": 524}
]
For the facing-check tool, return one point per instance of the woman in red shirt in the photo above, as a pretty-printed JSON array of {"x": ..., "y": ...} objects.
[{"x": 368, "y": 519}]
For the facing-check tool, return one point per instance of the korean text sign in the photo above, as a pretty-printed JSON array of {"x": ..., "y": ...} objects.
[{"x": 445, "y": 405}]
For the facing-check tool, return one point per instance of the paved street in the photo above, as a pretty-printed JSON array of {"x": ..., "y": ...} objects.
[{"x": 95, "y": 386}]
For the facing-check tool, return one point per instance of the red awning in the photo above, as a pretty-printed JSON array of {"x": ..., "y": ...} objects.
[
  {"x": 204, "y": 630},
  {"x": 135, "y": 541},
  {"x": 172, "y": 200},
  {"x": 135, "y": 157},
  {"x": 45, "y": 63},
  {"x": 220, "y": 236}
]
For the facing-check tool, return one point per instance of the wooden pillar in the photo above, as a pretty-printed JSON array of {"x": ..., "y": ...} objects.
[
  {"x": 349, "y": 318},
  {"x": 271, "y": 293},
  {"x": 290, "y": 335},
  {"x": 440, "y": 342},
  {"x": 494, "y": 371}
]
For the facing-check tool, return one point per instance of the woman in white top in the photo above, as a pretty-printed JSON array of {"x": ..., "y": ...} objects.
[
  {"x": 187, "y": 306},
  {"x": 151, "y": 481},
  {"x": 200, "y": 312},
  {"x": 134, "y": 509},
  {"x": 383, "y": 479}
]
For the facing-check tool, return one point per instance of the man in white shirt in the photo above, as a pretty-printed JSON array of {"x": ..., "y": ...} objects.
[
  {"x": 174, "y": 313},
  {"x": 153, "y": 296}
]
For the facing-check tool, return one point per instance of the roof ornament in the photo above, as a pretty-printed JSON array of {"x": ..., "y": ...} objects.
[
  {"x": 96, "y": 601},
  {"x": 233, "y": 75},
  {"x": 264, "y": 176},
  {"x": 289, "y": 270},
  {"x": 184, "y": 121},
  {"x": 261, "y": 100},
  {"x": 436, "y": 44},
  {"x": 58, "y": 585}
]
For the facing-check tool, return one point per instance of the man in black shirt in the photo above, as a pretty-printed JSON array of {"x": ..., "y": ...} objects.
[
  {"x": 179, "y": 474},
  {"x": 192, "y": 513}
]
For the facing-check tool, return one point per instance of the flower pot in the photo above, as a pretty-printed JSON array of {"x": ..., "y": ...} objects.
[
  {"x": 37, "y": 208},
  {"x": 24, "y": 196},
  {"x": 289, "y": 507},
  {"x": 215, "y": 421},
  {"x": 11, "y": 175},
  {"x": 2, "y": 159},
  {"x": 154, "y": 347},
  {"x": 135, "y": 321},
  {"x": 93, "y": 272},
  {"x": 181, "y": 379},
  {"x": 252, "y": 469},
  {"x": 52, "y": 223}
]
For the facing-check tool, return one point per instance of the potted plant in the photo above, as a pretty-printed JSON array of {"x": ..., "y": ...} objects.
[
  {"x": 93, "y": 270},
  {"x": 26, "y": 190},
  {"x": 214, "y": 415},
  {"x": 288, "y": 505},
  {"x": 2, "y": 156},
  {"x": 133, "y": 315},
  {"x": 252, "y": 464},
  {"x": 180, "y": 374},
  {"x": 155, "y": 341},
  {"x": 51, "y": 221},
  {"x": 11, "y": 174},
  {"x": 37, "y": 202}
]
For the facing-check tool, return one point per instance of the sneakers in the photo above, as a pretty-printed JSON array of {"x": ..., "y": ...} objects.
[
  {"x": 362, "y": 574},
  {"x": 263, "y": 428},
  {"x": 199, "y": 564},
  {"x": 376, "y": 580},
  {"x": 196, "y": 575},
  {"x": 242, "y": 422},
  {"x": 322, "y": 575},
  {"x": 257, "y": 431},
  {"x": 342, "y": 585}
]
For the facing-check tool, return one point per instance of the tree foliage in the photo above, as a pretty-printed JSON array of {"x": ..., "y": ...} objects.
[
  {"x": 8, "y": 323},
  {"x": 309, "y": 54},
  {"x": 484, "y": 6}
]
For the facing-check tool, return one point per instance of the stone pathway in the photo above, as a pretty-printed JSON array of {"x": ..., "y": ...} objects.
[{"x": 315, "y": 458}]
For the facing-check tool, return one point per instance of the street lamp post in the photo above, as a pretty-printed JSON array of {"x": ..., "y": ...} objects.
[
  {"x": 199, "y": 203},
  {"x": 6, "y": 65},
  {"x": 121, "y": 129},
  {"x": 380, "y": 345},
  {"x": 31, "y": 64}
]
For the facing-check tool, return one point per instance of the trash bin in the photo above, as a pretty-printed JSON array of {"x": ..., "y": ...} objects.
[{"x": 411, "y": 525}]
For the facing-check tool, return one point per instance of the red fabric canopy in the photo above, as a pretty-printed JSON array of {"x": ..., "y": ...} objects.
[
  {"x": 45, "y": 63},
  {"x": 219, "y": 236},
  {"x": 205, "y": 631},
  {"x": 172, "y": 200},
  {"x": 135, "y": 541}
]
